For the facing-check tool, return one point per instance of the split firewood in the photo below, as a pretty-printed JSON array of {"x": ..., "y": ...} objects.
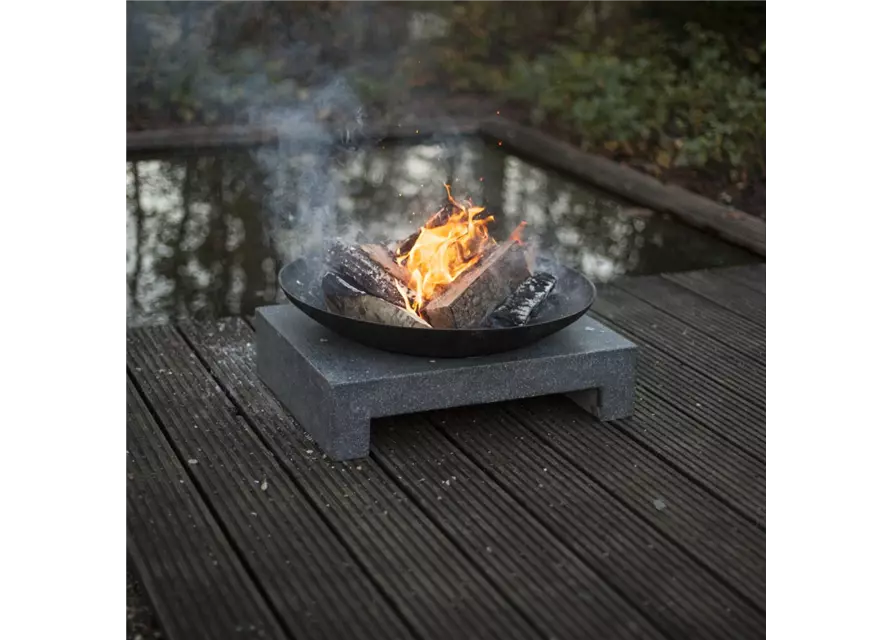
[
  {"x": 522, "y": 305},
  {"x": 360, "y": 268},
  {"x": 344, "y": 298},
  {"x": 477, "y": 292},
  {"x": 385, "y": 259}
]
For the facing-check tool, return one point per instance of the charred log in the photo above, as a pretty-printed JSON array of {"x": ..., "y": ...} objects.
[
  {"x": 477, "y": 292},
  {"x": 404, "y": 246},
  {"x": 344, "y": 298},
  {"x": 522, "y": 305},
  {"x": 358, "y": 267}
]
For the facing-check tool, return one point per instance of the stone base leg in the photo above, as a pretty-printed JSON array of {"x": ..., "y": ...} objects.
[
  {"x": 610, "y": 402},
  {"x": 341, "y": 434},
  {"x": 340, "y": 429}
]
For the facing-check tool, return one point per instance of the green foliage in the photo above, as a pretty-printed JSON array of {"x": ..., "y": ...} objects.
[{"x": 691, "y": 101}]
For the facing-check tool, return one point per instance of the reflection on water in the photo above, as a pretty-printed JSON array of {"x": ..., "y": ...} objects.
[{"x": 207, "y": 234}]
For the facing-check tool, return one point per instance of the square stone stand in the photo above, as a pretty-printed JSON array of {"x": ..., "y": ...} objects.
[{"x": 334, "y": 386}]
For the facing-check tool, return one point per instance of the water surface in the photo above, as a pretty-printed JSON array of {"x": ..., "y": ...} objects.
[{"x": 208, "y": 233}]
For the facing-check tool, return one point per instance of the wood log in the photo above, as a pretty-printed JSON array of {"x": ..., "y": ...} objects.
[
  {"x": 360, "y": 269},
  {"x": 474, "y": 294},
  {"x": 385, "y": 259},
  {"x": 527, "y": 299},
  {"x": 347, "y": 300}
]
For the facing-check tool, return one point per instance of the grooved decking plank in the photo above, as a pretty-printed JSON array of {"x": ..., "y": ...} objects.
[
  {"x": 644, "y": 323},
  {"x": 728, "y": 328},
  {"x": 184, "y": 562},
  {"x": 700, "y": 454},
  {"x": 694, "y": 518},
  {"x": 730, "y": 417},
  {"x": 678, "y": 594},
  {"x": 429, "y": 580},
  {"x": 547, "y": 578},
  {"x": 743, "y": 300},
  {"x": 310, "y": 579},
  {"x": 750, "y": 275}
]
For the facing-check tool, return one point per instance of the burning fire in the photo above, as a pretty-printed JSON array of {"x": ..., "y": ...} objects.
[{"x": 442, "y": 253}]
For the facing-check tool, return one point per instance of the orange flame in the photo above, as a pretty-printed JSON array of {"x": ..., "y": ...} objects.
[{"x": 442, "y": 253}]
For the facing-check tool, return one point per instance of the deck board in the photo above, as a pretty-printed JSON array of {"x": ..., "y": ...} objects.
[
  {"x": 710, "y": 405},
  {"x": 701, "y": 455},
  {"x": 751, "y": 275},
  {"x": 527, "y": 519},
  {"x": 310, "y": 578},
  {"x": 183, "y": 558},
  {"x": 697, "y": 448},
  {"x": 663, "y": 371},
  {"x": 557, "y": 589},
  {"x": 428, "y": 578},
  {"x": 707, "y": 527},
  {"x": 696, "y": 349},
  {"x": 739, "y": 298},
  {"x": 747, "y": 338},
  {"x": 680, "y": 595}
]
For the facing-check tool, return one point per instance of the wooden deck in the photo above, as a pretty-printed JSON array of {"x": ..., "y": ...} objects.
[{"x": 519, "y": 520}]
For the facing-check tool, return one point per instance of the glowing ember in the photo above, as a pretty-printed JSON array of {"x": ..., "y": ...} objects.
[{"x": 442, "y": 253}]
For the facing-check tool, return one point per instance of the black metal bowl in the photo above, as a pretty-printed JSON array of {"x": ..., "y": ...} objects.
[{"x": 572, "y": 296}]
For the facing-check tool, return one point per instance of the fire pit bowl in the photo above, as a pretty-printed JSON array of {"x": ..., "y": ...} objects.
[{"x": 572, "y": 296}]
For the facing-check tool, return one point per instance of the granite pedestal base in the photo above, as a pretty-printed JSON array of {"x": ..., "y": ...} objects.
[{"x": 334, "y": 386}]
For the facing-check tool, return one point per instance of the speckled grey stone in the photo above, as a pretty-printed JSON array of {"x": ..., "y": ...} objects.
[{"x": 334, "y": 386}]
